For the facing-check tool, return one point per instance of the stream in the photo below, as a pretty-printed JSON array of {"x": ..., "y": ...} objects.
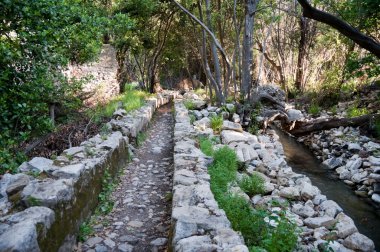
[{"x": 365, "y": 215}]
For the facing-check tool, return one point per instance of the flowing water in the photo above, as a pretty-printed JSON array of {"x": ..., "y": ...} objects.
[{"x": 364, "y": 213}]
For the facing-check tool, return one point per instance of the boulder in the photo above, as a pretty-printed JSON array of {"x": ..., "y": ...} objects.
[
  {"x": 290, "y": 193},
  {"x": 333, "y": 162},
  {"x": 228, "y": 125},
  {"x": 376, "y": 197},
  {"x": 48, "y": 192},
  {"x": 203, "y": 123},
  {"x": 374, "y": 161},
  {"x": 315, "y": 222},
  {"x": 16, "y": 184},
  {"x": 354, "y": 147},
  {"x": 304, "y": 211},
  {"x": 294, "y": 114},
  {"x": 330, "y": 208},
  {"x": 345, "y": 226},
  {"x": 229, "y": 136},
  {"x": 359, "y": 242},
  {"x": 308, "y": 191},
  {"x": 37, "y": 164},
  {"x": 354, "y": 164}
]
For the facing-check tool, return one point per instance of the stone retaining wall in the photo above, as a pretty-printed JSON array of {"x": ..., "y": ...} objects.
[
  {"x": 63, "y": 192},
  {"x": 197, "y": 222}
]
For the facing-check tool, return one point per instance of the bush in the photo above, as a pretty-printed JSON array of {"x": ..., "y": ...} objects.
[
  {"x": 354, "y": 111},
  {"x": 217, "y": 123},
  {"x": 189, "y": 104},
  {"x": 252, "y": 185},
  {"x": 314, "y": 109},
  {"x": 206, "y": 146}
]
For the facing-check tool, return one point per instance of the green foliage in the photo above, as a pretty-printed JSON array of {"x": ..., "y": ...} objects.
[
  {"x": 141, "y": 137},
  {"x": 314, "y": 109},
  {"x": 130, "y": 100},
  {"x": 252, "y": 185},
  {"x": 200, "y": 91},
  {"x": 334, "y": 110},
  {"x": 189, "y": 104},
  {"x": 192, "y": 118},
  {"x": 354, "y": 111},
  {"x": 250, "y": 222},
  {"x": 37, "y": 41},
  {"x": 206, "y": 146},
  {"x": 85, "y": 230},
  {"x": 105, "y": 204},
  {"x": 217, "y": 123}
]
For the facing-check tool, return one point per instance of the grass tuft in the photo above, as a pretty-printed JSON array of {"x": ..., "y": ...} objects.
[{"x": 217, "y": 123}]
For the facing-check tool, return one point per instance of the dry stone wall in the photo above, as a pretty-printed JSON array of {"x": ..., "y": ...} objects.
[
  {"x": 197, "y": 222},
  {"x": 64, "y": 191}
]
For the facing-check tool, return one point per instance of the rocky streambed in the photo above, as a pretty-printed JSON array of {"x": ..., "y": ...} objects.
[{"x": 321, "y": 221}]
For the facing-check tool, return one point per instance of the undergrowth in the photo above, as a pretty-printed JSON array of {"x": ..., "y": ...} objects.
[
  {"x": 189, "y": 104},
  {"x": 216, "y": 123},
  {"x": 257, "y": 233},
  {"x": 252, "y": 185}
]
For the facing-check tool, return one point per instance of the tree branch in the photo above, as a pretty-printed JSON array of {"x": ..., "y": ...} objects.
[{"x": 347, "y": 30}]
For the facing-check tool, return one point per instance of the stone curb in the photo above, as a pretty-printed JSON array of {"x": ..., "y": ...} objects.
[
  {"x": 58, "y": 204},
  {"x": 197, "y": 222}
]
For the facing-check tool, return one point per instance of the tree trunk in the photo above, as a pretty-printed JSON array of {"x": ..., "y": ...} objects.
[
  {"x": 250, "y": 11},
  {"x": 218, "y": 77},
  {"x": 301, "y": 55},
  {"x": 340, "y": 25},
  {"x": 301, "y": 128}
]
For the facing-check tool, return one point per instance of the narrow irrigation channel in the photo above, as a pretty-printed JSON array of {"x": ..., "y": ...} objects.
[
  {"x": 140, "y": 218},
  {"x": 365, "y": 215}
]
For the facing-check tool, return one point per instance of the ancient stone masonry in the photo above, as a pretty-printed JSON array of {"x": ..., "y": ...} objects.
[
  {"x": 102, "y": 73},
  {"x": 198, "y": 224},
  {"x": 321, "y": 221},
  {"x": 63, "y": 192}
]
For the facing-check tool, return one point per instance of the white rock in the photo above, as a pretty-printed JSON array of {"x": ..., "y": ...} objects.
[
  {"x": 376, "y": 197},
  {"x": 315, "y": 222},
  {"x": 374, "y": 161},
  {"x": 345, "y": 226},
  {"x": 290, "y": 192},
  {"x": 294, "y": 114},
  {"x": 203, "y": 123},
  {"x": 228, "y": 125},
  {"x": 330, "y": 208},
  {"x": 359, "y": 177},
  {"x": 355, "y": 164},
  {"x": 354, "y": 147},
  {"x": 359, "y": 242},
  {"x": 308, "y": 191}
]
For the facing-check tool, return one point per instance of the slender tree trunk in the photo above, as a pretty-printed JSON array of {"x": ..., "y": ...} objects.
[
  {"x": 214, "y": 52},
  {"x": 299, "y": 83},
  {"x": 250, "y": 8},
  {"x": 206, "y": 66}
]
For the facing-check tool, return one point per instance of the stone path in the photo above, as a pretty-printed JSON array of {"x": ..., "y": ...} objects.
[{"x": 140, "y": 219}]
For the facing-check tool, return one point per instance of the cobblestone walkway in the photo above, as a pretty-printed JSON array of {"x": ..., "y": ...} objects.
[{"x": 140, "y": 219}]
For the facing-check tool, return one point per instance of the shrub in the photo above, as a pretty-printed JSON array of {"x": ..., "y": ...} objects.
[
  {"x": 189, "y": 104},
  {"x": 206, "y": 146},
  {"x": 314, "y": 109},
  {"x": 354, "y": 111},
  {"x": 217, "y": 123},
  {"x": 252, "y": 185}
]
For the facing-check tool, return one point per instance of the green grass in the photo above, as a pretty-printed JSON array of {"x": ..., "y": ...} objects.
[
  {"x": 85, "y": 230},
  {"x": 252, "y": 185},
  {"x": 206, "y": 146},
  {"x": 140, "y": 139},
  {"x": 257, "y": 233},
  {"x": 200, "y": 91},
  {"x": 314, "y": 109},
  {"x": 189, "y": 104},
  {"x": 217, "y": 123},
  {"x": 130, "y": 100},
  {"x": 354, "y": 111}
]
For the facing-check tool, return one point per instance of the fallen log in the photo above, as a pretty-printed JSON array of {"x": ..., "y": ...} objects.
[{"x": 301, "y": 128}]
